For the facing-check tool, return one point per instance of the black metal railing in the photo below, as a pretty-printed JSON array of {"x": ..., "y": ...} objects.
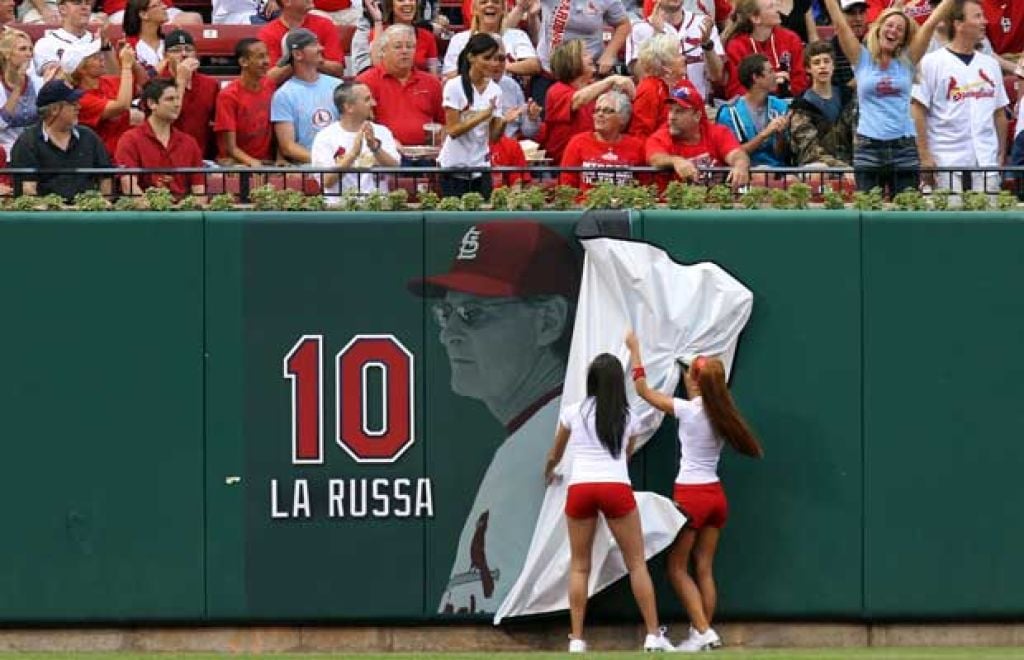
[{"x": 243, "y": 183}]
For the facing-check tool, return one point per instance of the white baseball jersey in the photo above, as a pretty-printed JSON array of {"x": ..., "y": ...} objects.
[
  {"x": 496, "y": 534},
  {"x": 689, "y": 36},
  {"x": 961, "y": 100}
]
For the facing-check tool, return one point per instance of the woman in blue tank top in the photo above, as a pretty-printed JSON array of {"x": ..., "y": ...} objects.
[{"x": 884, "y": 148}]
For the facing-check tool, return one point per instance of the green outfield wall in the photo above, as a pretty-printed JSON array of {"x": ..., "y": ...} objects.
[{"x": 232, "y": 417}]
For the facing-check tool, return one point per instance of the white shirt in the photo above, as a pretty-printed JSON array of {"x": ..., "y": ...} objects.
[
  {"x": 502, "y": 518},
  {"x": 591, "y": 461},
  {"x": 517, "y": 47},
  {"x": 961, "y": 100},
  {"x": 699, "y": 447},
  {"x": 149, "y": 56},
  {"x": 235, "y": 12},
  {"x": 472, "y": 148},
  {"x": 689, "y": 36},
  {"x": 327, "y": 144},
  {"x": 52, "y": 45}
]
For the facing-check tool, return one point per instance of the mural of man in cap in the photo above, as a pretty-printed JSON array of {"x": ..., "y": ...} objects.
[{"x": 505, "y": 312}]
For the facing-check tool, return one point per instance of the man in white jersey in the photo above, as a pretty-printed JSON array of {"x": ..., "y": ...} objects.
[
  {"x": 958, "y": 105},
  {"x": 504, "y": 311},
  {"x": 698, "y": 39}
]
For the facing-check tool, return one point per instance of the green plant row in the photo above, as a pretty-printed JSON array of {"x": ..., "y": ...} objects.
[{"x": 677, "y": 196}]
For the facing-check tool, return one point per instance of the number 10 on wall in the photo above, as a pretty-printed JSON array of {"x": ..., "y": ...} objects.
[{"x": 365, "y": 362}]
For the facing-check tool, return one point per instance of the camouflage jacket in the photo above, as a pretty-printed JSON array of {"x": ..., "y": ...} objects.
[{"x": 813, "y": 139}]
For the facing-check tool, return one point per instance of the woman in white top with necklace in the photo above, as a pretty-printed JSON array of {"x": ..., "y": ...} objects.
[
  {"x": 707, "y": 419},
  {"x": 598, "y": 434}
]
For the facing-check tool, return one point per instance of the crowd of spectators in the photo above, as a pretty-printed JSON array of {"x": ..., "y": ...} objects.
[{"x": 893, "y": 89}]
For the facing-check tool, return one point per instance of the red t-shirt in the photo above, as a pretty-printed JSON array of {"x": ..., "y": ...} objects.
[
  {"x": 650, "y": 107},
  {"x": 247, "y": 115},
  {"x": 506, "y": 152},
  {"x": 561, "y": 122},
  {"x": 139, "y": 147},
  {"x": 716, "y": 142},
  {"x": 324, "y": 29},
  {"x": 919, "y": 10},
  {"x": 198, "y": 107},
  {"x": 1005, "y": 25},
  {"x": 91, "y": 107},
  {"x": 585, "y": 150},
  {"x": 426, "y": 48},
  {"x": 784, "y": 50},
  {"x": 405, "y": 107},
  {"x": 722, "y": 8}
]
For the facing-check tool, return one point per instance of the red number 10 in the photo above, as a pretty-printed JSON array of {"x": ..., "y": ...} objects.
[{"x": 303, "y": 366}]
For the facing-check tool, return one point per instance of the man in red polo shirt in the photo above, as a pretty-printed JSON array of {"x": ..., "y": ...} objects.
[
  {"x": 295, "y": 14},
  {"x": 407, "y": 98},
  {"x": 198, "y": 90},
  {"x": 243, "y": 108},
  {"x": 1005, "y": 25},
  {"x": 157, "y": 144},
  {"x": 691, "y": 142}
]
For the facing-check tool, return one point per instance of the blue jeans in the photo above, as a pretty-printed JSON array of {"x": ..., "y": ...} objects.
[
  {"x": 456, "y": 185},
  {"x": 891, "y": 164}
]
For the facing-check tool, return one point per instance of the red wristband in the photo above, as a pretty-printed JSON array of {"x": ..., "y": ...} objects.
[{"x": 638, "y": 373}]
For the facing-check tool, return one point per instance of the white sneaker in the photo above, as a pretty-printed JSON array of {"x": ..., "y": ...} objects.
[
  {"x": 658, "y": 642},
  {"x": 717, "y": 644},
  {"x": 577, "y": 645},
  {"x": 697, "y": 642}
]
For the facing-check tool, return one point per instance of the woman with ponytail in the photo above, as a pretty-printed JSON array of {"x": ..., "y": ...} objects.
[
  {"x": 598, "y": 432},
  {"x": 473, "y": 118},
  {"x": 707, "y": 419}
]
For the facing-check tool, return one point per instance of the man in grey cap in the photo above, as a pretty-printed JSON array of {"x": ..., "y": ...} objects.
[
  {"x": 296, "y": 14},
  {"x": 303, "y": 105},
  {"x": 58, "y": 142}
]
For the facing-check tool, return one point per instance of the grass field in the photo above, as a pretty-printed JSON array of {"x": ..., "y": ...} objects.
[{"x": 976, "y": 653}]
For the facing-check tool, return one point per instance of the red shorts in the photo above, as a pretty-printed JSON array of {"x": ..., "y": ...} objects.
[
  {"x": 704, "y": 505},
  {"x": 614, "y": 500}
]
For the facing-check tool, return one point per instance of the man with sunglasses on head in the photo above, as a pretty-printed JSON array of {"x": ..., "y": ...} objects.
[{"x": 504, "y": 313}]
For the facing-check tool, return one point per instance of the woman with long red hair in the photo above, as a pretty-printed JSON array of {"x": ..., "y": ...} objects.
[{"x": 708, "y": 418}]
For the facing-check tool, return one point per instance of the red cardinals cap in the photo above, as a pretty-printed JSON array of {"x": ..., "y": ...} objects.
[
  {"x": 687, "y": 96},
  {"x": 512, "y": 258}
]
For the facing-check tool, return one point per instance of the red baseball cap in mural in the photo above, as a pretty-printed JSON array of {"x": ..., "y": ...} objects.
[{"x": 505, "y": 259}]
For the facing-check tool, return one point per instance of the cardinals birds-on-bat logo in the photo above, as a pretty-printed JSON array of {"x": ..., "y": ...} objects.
[
  {"x": 984, "y": 88},
  {"x": 479, "y": 570}
]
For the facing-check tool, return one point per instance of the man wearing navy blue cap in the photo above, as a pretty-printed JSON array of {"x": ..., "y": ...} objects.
[{"x": 57, "y": 141}]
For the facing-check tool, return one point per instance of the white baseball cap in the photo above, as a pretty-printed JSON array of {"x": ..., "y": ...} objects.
[
  {"x": 73, "y": 55},
  {"x": 847, "y": 4}
]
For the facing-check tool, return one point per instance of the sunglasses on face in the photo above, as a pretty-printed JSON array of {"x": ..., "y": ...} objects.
[{"x": 470, "y": 313}]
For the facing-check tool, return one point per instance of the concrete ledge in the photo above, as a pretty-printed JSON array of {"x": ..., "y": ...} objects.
[{"x": 542, "y": 636}]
